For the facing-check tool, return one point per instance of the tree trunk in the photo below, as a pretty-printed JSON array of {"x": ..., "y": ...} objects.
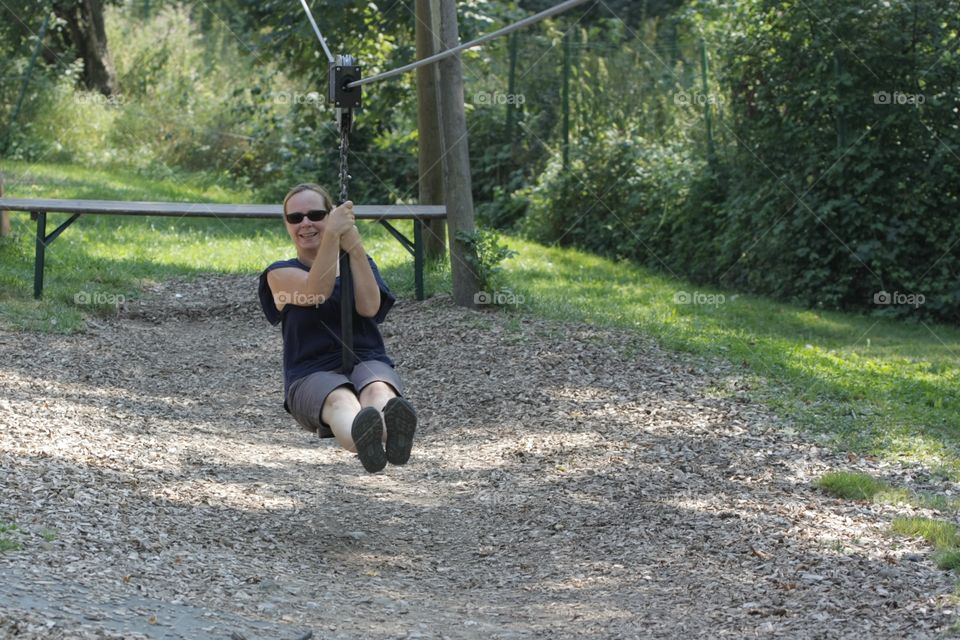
[
  {"x": 428, "y": 126},
  {"x": 456, "y": 159},
  {"x": 84, "y": 20}
]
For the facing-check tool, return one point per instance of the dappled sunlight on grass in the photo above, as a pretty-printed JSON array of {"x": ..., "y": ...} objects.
[{"x": 40, "y": 180}]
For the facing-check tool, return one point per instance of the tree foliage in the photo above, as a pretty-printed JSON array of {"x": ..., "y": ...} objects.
[{"x": 844, "y": 173}]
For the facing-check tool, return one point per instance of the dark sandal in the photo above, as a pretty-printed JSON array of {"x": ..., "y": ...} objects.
[
  {"x": 367, "y": 434},
  {"x": 401, "y": 420}
]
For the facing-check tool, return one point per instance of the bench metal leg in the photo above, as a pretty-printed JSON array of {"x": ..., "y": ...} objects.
[
  {"x": 418, "y": 257},
  {"x": 416, "y": 248},
  {"x": 41, "y": 254},
  {"x": 42, "y": 241}
]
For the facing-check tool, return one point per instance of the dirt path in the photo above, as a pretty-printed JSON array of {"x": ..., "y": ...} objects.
[{"x": 568, "y": 482}]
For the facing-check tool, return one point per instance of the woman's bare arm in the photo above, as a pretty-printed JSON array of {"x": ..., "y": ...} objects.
[
  {"x": 366, "y": 291},
  {"x": 309, "y": 288}
]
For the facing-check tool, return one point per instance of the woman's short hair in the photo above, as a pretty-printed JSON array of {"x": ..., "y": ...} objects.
[{"x": 308, "y": 186}]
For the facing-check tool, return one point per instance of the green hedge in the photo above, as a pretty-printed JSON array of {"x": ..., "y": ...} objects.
[{"x": 843, "y": 182}]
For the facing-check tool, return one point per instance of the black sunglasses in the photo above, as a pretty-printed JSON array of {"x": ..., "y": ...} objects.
[{"x": 314, "y": 216}]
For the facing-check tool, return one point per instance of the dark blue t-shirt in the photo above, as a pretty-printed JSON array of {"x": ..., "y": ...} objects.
[{"x": 311, "y": 335}]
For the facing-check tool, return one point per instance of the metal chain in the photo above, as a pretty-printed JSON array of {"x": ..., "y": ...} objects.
[
  {"x": 348, "y": 359},
  {"x": 344, "y": 149}
]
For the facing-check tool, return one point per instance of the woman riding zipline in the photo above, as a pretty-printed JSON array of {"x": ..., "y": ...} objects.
[{"x": 362, "y": 408}]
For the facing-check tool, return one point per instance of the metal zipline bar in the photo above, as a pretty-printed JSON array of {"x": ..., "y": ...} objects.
[
  {"x": 316, "y": 30},
  {"x": 543, "y": 15}
]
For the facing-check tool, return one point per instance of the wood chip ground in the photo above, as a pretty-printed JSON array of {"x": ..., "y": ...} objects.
[{"x": 567, "y": 482}]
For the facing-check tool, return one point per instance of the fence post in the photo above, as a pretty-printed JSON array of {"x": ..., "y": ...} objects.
[
  {"x": 512, "y": 89},
  {"x": 841, "y": 125},
  {"x": 26, "y": 76},
  {"x": 711, "y": 151},
  {"x": 566, "y": 98}
]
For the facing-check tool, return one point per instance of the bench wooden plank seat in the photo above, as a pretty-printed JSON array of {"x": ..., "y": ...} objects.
[{"x": 39, "y": 208}]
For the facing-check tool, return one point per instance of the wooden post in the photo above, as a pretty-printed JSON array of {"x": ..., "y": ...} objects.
[
  {"x": 457, "y": 184},
  {"x": 512, "y": 89},
  {"x": 428, "y": 130}
]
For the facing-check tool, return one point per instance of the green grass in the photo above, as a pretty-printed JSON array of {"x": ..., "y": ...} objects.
[
  {"x": 862, "y": 486},
  {"x": 108, "y": 258},
  {"x": 948, "y": 560},
  {"x": 942, "y": 535},
  {"x": 852, "y": 486},
  {"x": 39, "y": 180},
  {"x": 6, "y": 544}
]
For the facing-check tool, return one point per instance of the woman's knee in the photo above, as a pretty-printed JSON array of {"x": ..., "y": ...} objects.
[
  {"x": 377, "y": 390},
  {"x": 341, "y": 398}
]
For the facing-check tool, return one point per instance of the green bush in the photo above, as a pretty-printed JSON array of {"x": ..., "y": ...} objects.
[
  {"x": 621, "y": 197},
  {"x": 485, "y": 255},
  {"x": 838, "y": 191}
]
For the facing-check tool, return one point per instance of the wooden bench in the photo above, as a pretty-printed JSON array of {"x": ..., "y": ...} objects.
[{"x": 39, "y": 209}]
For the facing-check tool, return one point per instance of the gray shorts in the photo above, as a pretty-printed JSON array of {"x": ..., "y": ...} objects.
[{"x": 307, "y": 395}]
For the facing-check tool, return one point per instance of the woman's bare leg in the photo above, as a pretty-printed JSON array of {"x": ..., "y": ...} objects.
[
  {"x": 376, "y": 394},
  {"x": 339, "y": 410}
]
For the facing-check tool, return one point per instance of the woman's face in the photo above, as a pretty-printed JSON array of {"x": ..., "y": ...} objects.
[{"x": 306, "y": 234}]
